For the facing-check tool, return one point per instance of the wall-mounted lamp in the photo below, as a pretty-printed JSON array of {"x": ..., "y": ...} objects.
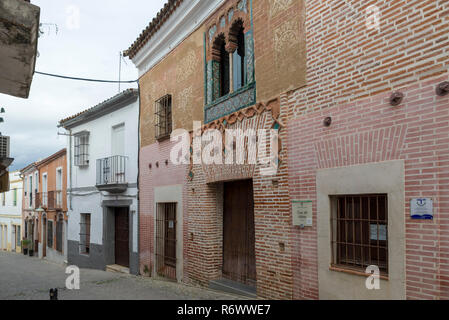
[
  {"x": 327, "y": 122},
  {"x": 443, "y": 89},
  {"x": 396, "y": 98}
]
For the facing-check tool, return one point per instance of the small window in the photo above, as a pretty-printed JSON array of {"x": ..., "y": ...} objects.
[
  {"x": 15, "y": 198},
  {"x": 50, "y": 234},
  {"x": 239, "y": 61},
  {"x": 36, "y": 182},
  {"x": 3, "y": 199},
  {"x": 224, "y": 70},
  {"x": 163, "y": 117},
  {"x": 82, "y": 149},
  {"x": 31, "y": 190},
  {"x": 360, "y": 232},
  {"x": 85, "y": 234}
]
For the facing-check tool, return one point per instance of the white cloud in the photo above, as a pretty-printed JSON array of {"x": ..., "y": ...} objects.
[{"x": 91, "y": 51}]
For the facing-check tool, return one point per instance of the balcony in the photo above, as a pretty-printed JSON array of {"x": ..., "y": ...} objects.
[
  {"x": 58, "y": 196},
  {"x": 111, "y": 174},
  {"x": 52, "y": 200},
  {"x": 43, "y": 199},
  {"x": 32, "y": 200}
]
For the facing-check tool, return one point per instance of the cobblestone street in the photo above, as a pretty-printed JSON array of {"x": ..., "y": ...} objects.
[{"x": 25, "y": 278}]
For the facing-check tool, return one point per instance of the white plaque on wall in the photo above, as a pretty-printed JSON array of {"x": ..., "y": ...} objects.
[
  {"x": 302, "y": 213},
  {"x": 422, "y": 209}
]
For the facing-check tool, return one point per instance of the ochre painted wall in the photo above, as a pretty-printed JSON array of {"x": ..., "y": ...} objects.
[
  {"x": 280, "y": 47},
  {"x": 180, "y": 74}
]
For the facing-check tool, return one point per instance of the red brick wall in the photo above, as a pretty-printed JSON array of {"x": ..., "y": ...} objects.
[
  {"x": 346, "y": 61},
  {"x": 350, "y": 71},
  {"x": 370, "y": 130},
  {"x": 164, "y": 175},
  {"x": 272, "y": 221}
]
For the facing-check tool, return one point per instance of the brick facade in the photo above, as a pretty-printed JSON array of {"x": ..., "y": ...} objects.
[
  {"x": 371, "y": 130},
  {"x": 154, "y": 172},
  {"x": 348, "y": 73}
]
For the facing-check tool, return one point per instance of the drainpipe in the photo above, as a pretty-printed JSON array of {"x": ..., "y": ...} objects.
[
  {"x": 138, "y": 179},
  {"x": 70, "y": 166}
]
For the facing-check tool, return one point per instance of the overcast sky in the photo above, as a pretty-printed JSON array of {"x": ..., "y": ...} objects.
[{"x": 86, "y": 45}]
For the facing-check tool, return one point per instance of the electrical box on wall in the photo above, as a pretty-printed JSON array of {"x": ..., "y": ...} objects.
[{"x": 302, "y": 213}]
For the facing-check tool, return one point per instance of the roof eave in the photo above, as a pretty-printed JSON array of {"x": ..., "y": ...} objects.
[{"x": 121, "y": 100}]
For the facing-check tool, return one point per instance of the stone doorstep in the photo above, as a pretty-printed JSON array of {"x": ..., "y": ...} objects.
[
  {"x": 117, "y": 269},
  {"x": 233, "y": 287}
]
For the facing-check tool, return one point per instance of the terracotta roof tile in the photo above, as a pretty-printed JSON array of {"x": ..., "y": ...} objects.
[
  {"x": 90, "y": 109},
  {"x": 153, "y": 27},
  {"x": 54, "y": 156}
]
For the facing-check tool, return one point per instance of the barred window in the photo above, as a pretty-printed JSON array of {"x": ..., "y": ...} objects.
[
  {"x": 85, "y": 233},
  {"x": 163, "y": 117},
  {"x": 59, "y": 231},
  {"x": 82, "y": 149},
  {"x": 50, "y": 234},
  {"x": 360, "y": 232}
]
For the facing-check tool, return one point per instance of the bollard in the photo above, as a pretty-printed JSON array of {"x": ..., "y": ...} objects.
[{"x": 53, "y": 294}]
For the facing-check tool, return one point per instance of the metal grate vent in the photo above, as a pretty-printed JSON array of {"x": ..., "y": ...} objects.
[{"x": 166, "y": 240}]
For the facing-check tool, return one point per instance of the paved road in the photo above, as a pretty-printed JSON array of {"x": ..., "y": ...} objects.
[{"x": 25, "y": 278}]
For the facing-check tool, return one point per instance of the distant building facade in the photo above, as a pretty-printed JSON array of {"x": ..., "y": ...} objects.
[
  {"x": 30, "y": 206},
  {"x": 44, "y": 212},
  {"x": 102, "y": 185},
  {"x": 52, "y": 204},
  {"x": 11, "y": 215}
]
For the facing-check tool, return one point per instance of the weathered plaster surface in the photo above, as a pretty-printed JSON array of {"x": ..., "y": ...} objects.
[{"x": 19, "y": 24}]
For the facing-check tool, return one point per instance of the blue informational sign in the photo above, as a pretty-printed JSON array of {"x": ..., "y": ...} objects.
[{"x": 422, "y": 209}]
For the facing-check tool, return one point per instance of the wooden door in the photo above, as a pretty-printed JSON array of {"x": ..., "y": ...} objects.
[
  {"x": 239, "y": 259},
  {"x": 59, "y": 234},
  {"x": 44, "y": 237},
  {"x": 170, "y": 235},
  {"x": 122, "y": 237}
]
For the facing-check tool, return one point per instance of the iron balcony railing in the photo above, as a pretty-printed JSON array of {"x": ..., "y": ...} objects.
[
  {"x": 51, "y": 200},
  {"x": 111, "y": 170},
  {"x": 32, "y": 200},
  {"x": 44, "y": 199}
]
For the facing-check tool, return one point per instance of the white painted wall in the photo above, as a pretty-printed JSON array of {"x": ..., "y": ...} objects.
[
  {"x": 84, "y": 197},
  {"x": 30, "y": 189},
  {"x": 11, "y": 214},
  {"x": 100, "y": 144}
]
